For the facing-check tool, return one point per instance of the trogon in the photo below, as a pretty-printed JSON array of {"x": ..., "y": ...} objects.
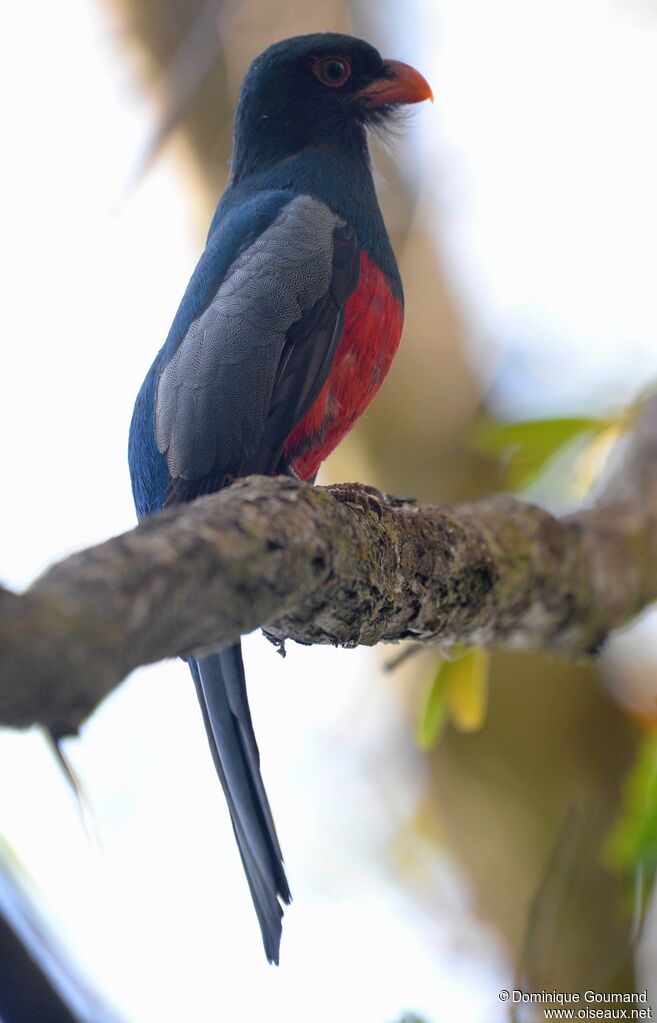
[{"x": 284, "y": 335}]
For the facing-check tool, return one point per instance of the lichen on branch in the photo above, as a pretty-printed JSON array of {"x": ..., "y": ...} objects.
[{"x": 344, "y": 565}]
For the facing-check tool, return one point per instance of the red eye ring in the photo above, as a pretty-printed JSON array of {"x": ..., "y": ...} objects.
[{"x": 332, "y": 71}]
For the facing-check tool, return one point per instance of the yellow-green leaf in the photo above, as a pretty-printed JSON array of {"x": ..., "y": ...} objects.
[
  {"x": 434, "y": 711},
  {"x": 525, "y": 447},
  {"x": 633, "y": 840},
  {"x": 459, "y": 690},
  {"x": 468, "y": 689}
]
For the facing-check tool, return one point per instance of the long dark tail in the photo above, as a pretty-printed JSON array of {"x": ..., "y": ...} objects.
[{"x": 221, "y": 689}]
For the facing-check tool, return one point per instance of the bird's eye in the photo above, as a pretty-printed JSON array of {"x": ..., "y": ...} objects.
[{"x": 332, "y": 71}]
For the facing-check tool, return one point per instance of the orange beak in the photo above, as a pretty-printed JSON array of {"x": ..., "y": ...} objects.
[{"x": 401, "y": 84}]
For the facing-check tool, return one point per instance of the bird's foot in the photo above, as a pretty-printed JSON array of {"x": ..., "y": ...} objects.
[{"x": 359, "y": 495}]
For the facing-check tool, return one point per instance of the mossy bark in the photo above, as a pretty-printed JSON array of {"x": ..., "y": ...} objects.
[{"x": 344, "y": 565}]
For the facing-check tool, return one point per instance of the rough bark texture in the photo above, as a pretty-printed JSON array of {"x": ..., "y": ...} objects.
[{"x": 343, "y": 565}]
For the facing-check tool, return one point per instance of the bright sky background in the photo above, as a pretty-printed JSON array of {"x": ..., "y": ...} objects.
[
  {"x": 543, "y": 160},
  {"x": 541, "y": 157}
]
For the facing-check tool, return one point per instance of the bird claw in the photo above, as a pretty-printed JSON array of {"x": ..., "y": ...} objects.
[{"x": 361, "y": 496}]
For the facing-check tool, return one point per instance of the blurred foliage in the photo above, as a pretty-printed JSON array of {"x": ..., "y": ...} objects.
[
  {"x": 459, "y": 692},
  {"x": 552, "y": 922},
  {"x": 632, "y": 844},
  {"x": 524, "y": 448},
  {"x": 505, "y": 794},
  {"x": 434, "y": 711}
]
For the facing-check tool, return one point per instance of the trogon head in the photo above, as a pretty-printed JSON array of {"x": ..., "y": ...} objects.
[{"x": 317, "y": 89}]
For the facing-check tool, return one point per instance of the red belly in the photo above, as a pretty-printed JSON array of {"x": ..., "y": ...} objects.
[{"x": 372, "y": 328}]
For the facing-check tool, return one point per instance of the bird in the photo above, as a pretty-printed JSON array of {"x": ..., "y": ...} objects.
[{"x": 284, "y": 335}]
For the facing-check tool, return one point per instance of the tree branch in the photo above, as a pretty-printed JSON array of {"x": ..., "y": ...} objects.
[{"x": 342, "y": 565}]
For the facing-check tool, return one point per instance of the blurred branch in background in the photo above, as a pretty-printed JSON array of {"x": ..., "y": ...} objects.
[
  {"x": 37, "y": 982},
  {"x": 197, "y": 58}
]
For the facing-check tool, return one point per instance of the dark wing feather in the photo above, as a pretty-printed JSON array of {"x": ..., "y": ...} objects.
[
  {"x": 251, "y": 364},
  {"x": 309, "y": 351}
]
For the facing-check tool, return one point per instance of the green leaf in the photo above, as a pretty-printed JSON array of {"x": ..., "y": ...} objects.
[
  {"x": 468, "y": 689},
  {"x": 459, "y": 690},
  {"x": 632, "y": 844},
  {"x": 526, "y": 447},
  {"x": 434, "y": 712}
]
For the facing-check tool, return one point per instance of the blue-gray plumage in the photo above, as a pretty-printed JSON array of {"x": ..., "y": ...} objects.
[
  {"x": 207, "y": 424},
  {"x": 223, "y": 397},
  {"x": 283, "y": 336}
]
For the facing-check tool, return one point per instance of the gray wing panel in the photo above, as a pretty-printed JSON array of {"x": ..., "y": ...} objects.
[{"x": 213, "y": 397}]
